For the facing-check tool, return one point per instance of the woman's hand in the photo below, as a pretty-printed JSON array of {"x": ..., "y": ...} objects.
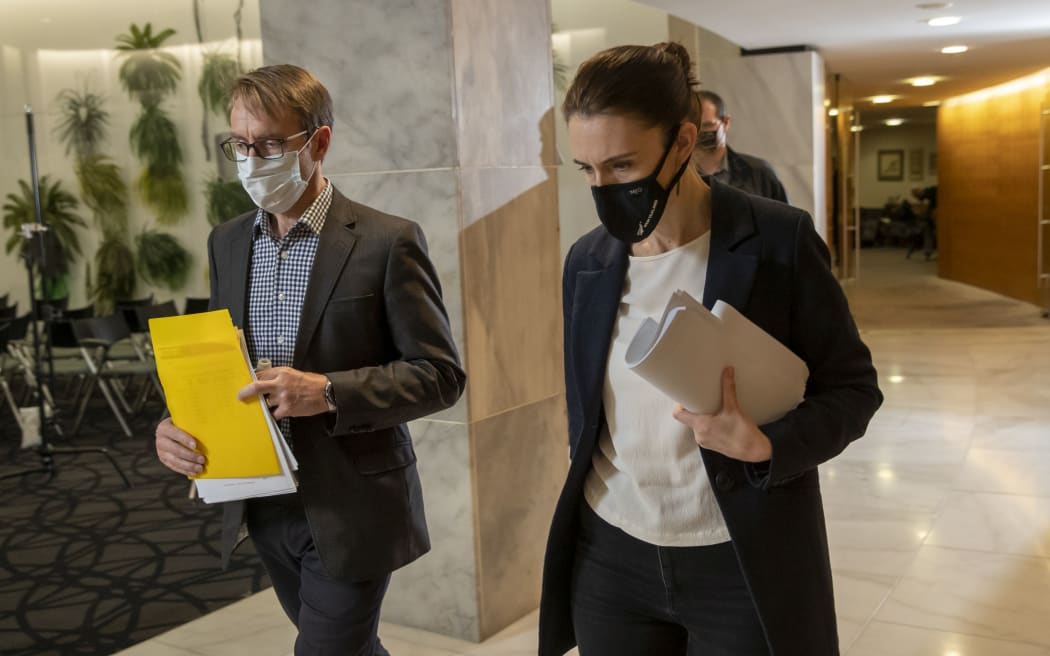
[{"x": 729, "y": 432}]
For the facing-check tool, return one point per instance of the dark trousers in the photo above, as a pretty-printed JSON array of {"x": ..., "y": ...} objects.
[
  {"x": 333, "y": 617},
  {"x": 630, "y": 597}
]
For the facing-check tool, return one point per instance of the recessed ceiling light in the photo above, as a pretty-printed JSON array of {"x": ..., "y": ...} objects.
[
  {"x": 932, "y": 103},
  {"x": 856, "y": 128},
  {"x": 933, "y": 5},
  {"x": 943, "y": 21},
  {"x": 881, "y": 100},
  {"x": 894, "y": 122},
  {"x": 954, "y": 50},
  {"x": 834, "y": 111},
  {"x": 924, "y": 81}
]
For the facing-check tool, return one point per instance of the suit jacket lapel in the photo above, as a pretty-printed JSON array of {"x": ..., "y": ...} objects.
[
  {"x": 730, "y": 273},
  {"x": 595, "y": 302},
  {"x": 240, "y": 256},
  {"x": 333, "y": 250}
]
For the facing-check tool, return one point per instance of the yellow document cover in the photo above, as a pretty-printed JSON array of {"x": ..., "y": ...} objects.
[{"x": 201, "y": 368}]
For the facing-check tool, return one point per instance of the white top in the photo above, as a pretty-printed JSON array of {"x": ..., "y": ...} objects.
[{"x": 647, "y": 476}]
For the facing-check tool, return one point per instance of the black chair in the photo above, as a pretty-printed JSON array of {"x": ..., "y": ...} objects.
[
  {"x": 96, "y": 338},
  {"x": 195, "y": 305},
  {"x": 11, "y": 330},
  {"x": 47, "y": 309},
  {"x": 143, "y": 315},
  {"x": 129, "y": 308}
]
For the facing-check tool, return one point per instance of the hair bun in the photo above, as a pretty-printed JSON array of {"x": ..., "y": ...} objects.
[{"x": 678, "y": 52}]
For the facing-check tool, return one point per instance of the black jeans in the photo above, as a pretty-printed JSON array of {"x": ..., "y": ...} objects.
[
  {"x": 632, "y": 598},
  {"x": 333, "y": 617}
]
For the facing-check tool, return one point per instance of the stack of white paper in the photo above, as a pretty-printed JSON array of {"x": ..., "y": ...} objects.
[{"x": 683, "y": 356}]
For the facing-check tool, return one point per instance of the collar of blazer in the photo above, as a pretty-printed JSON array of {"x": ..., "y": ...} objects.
[
  {"x": 336, "y": 241},
  {"x": 600, "y": 279}
]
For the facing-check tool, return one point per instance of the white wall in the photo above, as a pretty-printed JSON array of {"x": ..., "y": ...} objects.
[
  {"x": 874, "y": 193},
  {"x": 585, "y": 27},
  {"x": 36, "y": 76}
]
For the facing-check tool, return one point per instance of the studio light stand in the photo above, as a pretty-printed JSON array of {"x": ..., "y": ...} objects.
[{"x": 34, "y": 236}]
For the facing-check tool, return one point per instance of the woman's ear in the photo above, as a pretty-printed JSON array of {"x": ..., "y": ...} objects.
[{"x": 687, "y": 136}]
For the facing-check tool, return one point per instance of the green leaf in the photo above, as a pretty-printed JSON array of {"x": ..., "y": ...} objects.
[
  {"x": 162, "y": 260},
  {"x": 226, "y": 200}
]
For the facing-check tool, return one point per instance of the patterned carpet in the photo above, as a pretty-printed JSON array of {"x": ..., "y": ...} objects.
[{"x": 89, "y": 567}]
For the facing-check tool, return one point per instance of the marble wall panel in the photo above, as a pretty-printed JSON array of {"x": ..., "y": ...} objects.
[
  {"x": 775, "y": 102},
  {"x": 511, "y": 291},
  {"x": 438, "y": 592},
  {"x": 504, "y": 83},
  {"x": 430, "y": 199},
  {"x": 520, "y": 459},
  {"x": 388, "y": 66}
]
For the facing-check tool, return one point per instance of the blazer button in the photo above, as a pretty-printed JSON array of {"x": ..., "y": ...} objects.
[{"x": 723, "y": 481}]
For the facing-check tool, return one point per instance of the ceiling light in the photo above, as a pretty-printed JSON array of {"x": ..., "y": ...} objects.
[
  {"x": 933, "y": 5},
  {"x": 932, "y": 103},
  {"x": 856, "y": 128},
  {"x": 896, "y": 378},
  {"x": 924, "y": 81},
  {"x": 894, "y": 122},
  {"x": 834, "y": 111},
  {"x": 943, "y": 21},
  {"x": 954, "y": 50},
  {"x": 881, "y": 100}
]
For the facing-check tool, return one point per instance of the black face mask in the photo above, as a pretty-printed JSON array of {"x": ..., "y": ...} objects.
[
  {"x": 630, "y": 211},
  {"x": 708, "y": 139}
]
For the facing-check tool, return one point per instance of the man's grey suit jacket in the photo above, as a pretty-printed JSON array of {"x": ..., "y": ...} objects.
[{"x": 372, "y": 321}]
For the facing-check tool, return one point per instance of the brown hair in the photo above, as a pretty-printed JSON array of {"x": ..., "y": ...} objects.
[
  {"x": 714, "y": 99},
  {"x": 652, "y": 83},
  {"x": 272, "y": 89}
]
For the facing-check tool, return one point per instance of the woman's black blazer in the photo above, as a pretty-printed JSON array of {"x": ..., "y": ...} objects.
[{"x": 768, "y": 262}]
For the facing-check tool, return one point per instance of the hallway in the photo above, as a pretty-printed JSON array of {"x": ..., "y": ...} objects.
[{"x": 939, "y": 518}]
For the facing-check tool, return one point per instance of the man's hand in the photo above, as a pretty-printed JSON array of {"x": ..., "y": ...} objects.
[
  {"x": 729, "y": 432},
  {"x": 176, "y": 449},
  {"x": 289, "y": 392}
]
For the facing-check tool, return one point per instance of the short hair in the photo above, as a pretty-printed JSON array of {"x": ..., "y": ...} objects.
[
  {"x": 652, "y": 83},
  {"x": 288, "y": 88},
  {"x": 714, "y": 99}
]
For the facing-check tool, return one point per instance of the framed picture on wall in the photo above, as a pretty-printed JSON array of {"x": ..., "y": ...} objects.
[
  {"x": 916, "y": 164},
  {"x": 891, "y": 165}
]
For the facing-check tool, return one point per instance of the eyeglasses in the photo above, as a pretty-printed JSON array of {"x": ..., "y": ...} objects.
[{"x": 239, "y": 151}]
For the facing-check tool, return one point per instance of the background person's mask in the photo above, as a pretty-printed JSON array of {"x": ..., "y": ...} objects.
[{"x": 275, "y": 184}]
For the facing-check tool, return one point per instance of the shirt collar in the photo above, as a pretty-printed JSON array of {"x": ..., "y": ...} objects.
[{"x": 313, "y": 217}]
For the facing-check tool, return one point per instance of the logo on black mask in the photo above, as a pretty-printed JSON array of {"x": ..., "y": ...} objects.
[{"x": 630, "y": 211}]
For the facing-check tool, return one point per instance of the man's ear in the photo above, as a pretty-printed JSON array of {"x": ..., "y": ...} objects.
[
  {"x": 322, "y": 141},
  {"x": 726, "y": 122}
]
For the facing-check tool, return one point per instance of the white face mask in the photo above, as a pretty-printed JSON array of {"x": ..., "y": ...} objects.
[{"x": 275, "y": 184}]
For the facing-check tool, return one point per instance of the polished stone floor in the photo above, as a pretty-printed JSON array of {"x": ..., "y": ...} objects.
[{"x": 939, "y": 518}]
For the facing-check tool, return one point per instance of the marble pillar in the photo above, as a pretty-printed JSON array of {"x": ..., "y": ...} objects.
[
  {"x": 777, "y": 106},
  {"x": 443, "y": 114}
]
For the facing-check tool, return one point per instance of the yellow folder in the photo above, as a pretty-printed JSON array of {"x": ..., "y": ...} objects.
[{"x": 201, "y": 366}]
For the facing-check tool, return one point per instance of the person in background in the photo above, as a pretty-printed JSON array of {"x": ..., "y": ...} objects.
[
  {"x": 345, "y": 303},
  {"x": 677, "y": 533},
  {"x": 715, "y": 158},
  {"x": 927, "y": 222}
]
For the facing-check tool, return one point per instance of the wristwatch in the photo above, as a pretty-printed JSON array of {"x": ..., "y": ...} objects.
[{"x": 329, "y": 395}]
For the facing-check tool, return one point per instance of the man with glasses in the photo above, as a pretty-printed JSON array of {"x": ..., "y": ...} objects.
[
  {"x": 345, "y": 304},
  {"x": 714, "y": 157}
]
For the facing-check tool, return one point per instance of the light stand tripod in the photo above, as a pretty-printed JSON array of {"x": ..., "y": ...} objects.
[{"x": 34, "y": 236}]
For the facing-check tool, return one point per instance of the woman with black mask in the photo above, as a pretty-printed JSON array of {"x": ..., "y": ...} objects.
[{"x": 679, "y": 533}]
